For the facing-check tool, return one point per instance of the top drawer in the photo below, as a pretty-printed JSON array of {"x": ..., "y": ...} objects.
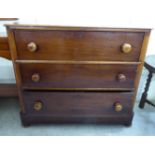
[{"x": 77, "y": 45}]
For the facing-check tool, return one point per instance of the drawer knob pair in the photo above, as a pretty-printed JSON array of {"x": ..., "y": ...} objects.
[
  {"x": 118, "y": 107},
  {"x": 126, "y": 48},
  {"x": 32, "y": 47},
  {"x": 38, "y": 106},
  {"x": 35, "y": 77}
]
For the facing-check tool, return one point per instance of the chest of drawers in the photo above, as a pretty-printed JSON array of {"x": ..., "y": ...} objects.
[{"x": 77, "y": 74}]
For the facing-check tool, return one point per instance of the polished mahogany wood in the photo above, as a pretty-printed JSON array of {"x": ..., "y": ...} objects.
[
  {"x": 75, "y": 45},
  {"x": 77, "y": 76},
  {"x": 8, "y": 19},
  {"x": 28, "y": 119},
  {"x": 4, "y": 48},
  {"x": 4, "y": 45},
  {"x": 74, "y": 28},
  {"x": 91, "y": 104}
]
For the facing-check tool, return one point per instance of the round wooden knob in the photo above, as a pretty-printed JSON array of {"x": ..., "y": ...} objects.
[
  {"x": 126, "y": 48},
  {"x": 35, "y": 77},
  {"x": 38, "y": 106},
  {"x": 32, "y": 47},
  {"x": 118, "y": 107},
  {"x": 121, "y": 78}
]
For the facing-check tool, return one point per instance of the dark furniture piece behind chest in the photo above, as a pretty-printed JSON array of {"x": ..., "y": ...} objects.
[
  {"x": 77, "y": 74},
  {"x": 150, "y": 66},
  {"x": 6, "y": 89}
]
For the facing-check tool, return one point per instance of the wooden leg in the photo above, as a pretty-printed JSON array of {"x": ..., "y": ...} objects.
[
  {"x": 24, "y": 122},
  {"x": 26, "y": 125},
  {"x": 142, "y": 101},
  {"x": 128, "y": 124},
  {"x": 144, "y": 95}
]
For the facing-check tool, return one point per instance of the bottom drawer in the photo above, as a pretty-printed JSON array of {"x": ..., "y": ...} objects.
[{"x": 77, "y": 104}]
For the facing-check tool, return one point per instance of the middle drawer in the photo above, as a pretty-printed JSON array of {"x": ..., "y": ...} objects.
[{"x": 78, "y": 75}]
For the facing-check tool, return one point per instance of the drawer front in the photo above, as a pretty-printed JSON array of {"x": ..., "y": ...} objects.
[
  {"x": 78, "y": 76},
  {"x": 77, "y": 103},
  {"x": 77, "y": 45}
]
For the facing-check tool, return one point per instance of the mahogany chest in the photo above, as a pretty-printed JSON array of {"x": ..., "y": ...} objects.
[{"x": 77, "y": 74}]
